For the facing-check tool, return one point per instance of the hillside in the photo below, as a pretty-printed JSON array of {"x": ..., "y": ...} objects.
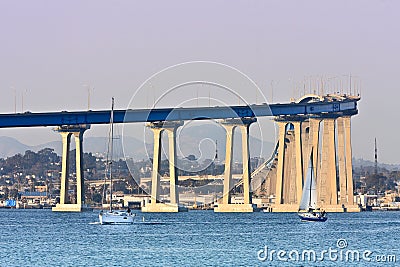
[{"x": 196, "y": 140}]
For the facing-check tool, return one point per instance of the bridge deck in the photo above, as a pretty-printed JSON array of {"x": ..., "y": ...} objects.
[{"x": 29, "y": 119}]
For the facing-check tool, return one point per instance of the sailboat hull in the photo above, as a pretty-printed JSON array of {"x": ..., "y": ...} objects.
[
  {"x": 116, "y": 217},
  {"x": 312, "y": 217}
]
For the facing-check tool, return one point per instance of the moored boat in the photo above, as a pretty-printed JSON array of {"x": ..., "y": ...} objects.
[
  {"x": 116, "y": 217},
  {"x": 113, "y": 216}
]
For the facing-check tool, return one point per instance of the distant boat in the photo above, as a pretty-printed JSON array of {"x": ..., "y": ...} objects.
[
  {"x": 113, "y": 216},
  {"x": 116, "y": 217},
  {"x": 308, "y": 210}
]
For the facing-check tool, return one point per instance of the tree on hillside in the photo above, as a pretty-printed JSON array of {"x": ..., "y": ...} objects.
[{"x": 379, "y": 182}]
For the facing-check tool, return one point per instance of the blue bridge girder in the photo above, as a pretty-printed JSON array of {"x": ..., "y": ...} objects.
[{"x": 28, "y": 119}]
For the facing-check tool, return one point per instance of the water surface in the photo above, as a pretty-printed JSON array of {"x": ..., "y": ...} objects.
[{"x": 195, "y": 238}]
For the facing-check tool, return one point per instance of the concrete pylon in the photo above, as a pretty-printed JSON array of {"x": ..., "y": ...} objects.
[
  {"x": 80, "y": 188},
  {"x": 306, "y": 143},
  {"x": 226, "y": 205},
  {"x": 155, "y": 205},
  {"x": 341, "y": 161},
  {"x": 310, "y": 143},
  {"x": 315, "y": 128},
  {"x": 66, "y": 133},
  {"x": 295, "y": 152},
  {"x": 66, "y": 139},
  {"x": 315, "y": 148},
  {"x": 299, "y": 161},
  {"x": 246, "y": 163},
  {"x": 345, "y": 164},
  {"x": 173, "y": 182},
  {"x": 226, "y": 198},
  {"x": 155, "y": 177},
  {"x": 289, "y": 173},
  {"x": 281, "y": 165},
  {"x": 351, "y": 206},
  {"x": 328, "y": 190}
]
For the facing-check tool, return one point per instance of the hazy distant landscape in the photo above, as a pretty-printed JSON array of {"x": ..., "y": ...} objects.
[
  {"x": 10, "y": 146},
  {"x": 188, "y": 143}
]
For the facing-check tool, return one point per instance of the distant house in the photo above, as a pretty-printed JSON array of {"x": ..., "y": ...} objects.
[
  {"x": 41, "y": 188},
  {"x": 33, "y": 198}
]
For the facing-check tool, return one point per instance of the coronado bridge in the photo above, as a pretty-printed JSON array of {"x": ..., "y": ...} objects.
[{"x": 328, "y": 116}]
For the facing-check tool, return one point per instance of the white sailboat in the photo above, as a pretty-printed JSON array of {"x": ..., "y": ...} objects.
[
  {"x": 308, "y": 210},
  {"x": 113, "y": 216}
]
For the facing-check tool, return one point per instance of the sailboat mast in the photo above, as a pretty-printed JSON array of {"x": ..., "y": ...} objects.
[{"x": 111, "y": 149}]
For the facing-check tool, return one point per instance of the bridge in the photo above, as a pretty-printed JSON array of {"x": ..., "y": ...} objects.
[
  {"x": 28, "y": 119},
  {"x": 332, "y": 111}
]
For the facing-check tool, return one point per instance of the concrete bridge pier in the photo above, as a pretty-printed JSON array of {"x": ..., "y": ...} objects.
[
  {"x": 227, "y": 205},
  {"x": 327, "y": 184},
  {"x": 329, "y": 139},
  {"x": 345, "y": 164},
  {"x": 351, "y": 206},
  {"x": 281, "y": 165},
  {"x": 155, "y": 205},
  {"x": 289, "y": 180},
  {"x": 65, "y": 204},
  {"x": 335, "y": 180}
]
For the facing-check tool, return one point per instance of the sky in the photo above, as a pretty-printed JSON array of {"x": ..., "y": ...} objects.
[{"x": 52, "y": 53}]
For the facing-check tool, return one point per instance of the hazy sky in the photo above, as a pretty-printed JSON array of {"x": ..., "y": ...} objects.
[{"x": 51, "y": 50}]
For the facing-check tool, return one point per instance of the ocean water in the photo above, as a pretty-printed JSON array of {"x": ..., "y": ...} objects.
[{"x": 198, "y": 238}]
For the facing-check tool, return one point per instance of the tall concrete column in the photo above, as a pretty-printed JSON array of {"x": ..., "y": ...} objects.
[
  {"x": 66, "y": 138},
  {"x": 66, "y": 132},
  {"x": 226, "y": 205},
  {"x": 315, "y": 128},
  {"x": 315, "y": 148},
  {"x": 306, "y": 145},
  {"x": 172, "y": 166},
  {"x": 230, "y": 130},
  {"x": 341, "y": 160},
  {"x": 281, "y": 157},
  {"x": 155, "y": 206},
  {"x": 299, "y": 161},
  {"x": 246, "y": 163},
  {"x": 80, "y": 191},
  {"x": 155, "y": 176},
  {"x": 328, "y": 165},
  {"x": 349, "y": 164},
  {"x": 323, "y": 196}
]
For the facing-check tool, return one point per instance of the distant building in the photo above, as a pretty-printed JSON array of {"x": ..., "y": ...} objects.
[
  {"x": 34, "y": 198},
  {"x": 41, "y": 188}
]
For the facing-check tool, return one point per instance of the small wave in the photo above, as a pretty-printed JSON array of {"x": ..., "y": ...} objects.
[
  {"x": 149, "y": 223},
  {"x": 94, "y": 223}
]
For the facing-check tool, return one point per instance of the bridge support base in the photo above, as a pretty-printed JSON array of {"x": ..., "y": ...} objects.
[
  {"x": 334, "y": 208},
  {"x": 329, "y": 209},
  {"x": 163, "y": 207},
  {"x": 235, "y": 208},
  {"x": 353, "y": 208},
  {"x": 340, "y": 208},
  {"x": 285, "y": 208},
  {"x": 71, "y": 208}
]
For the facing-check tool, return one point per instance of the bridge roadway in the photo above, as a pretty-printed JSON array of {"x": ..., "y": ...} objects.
[{"x": 28, "y": 119}]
